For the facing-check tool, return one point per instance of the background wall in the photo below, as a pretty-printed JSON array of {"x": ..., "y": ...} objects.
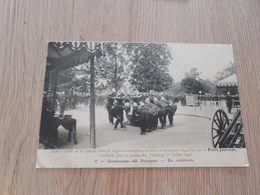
[{"x": 27, "y": 26}]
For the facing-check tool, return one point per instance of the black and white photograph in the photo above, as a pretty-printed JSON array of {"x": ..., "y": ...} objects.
[{"x": 152, "y": 104}]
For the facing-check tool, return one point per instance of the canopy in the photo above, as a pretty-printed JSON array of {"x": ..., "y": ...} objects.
[
  {"x": 64, "y": 55},
  {"x": 230, "y": 81}
]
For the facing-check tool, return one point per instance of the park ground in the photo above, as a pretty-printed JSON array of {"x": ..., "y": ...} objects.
[{"x": 192, "y": 129}]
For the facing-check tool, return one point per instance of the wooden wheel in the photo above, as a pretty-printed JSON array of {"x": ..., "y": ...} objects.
[{"x": 220, "y": 122}]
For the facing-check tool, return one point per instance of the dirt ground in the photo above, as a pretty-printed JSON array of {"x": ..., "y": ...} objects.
[{"x": 192, "y": 129}]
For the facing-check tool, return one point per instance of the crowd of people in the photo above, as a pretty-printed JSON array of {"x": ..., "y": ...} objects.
[
  {"x": 144, "y": 111},
  {"x": 65, "y": 102},
  {"x": 148, "y": 111}
]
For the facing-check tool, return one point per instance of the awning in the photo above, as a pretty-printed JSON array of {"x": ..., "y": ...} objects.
[
  {"x": 64, "y": 55},
  {"x": 230, "y": 81}
]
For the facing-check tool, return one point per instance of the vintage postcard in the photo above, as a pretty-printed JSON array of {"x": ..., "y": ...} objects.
[{"x": 116, "y": 104}]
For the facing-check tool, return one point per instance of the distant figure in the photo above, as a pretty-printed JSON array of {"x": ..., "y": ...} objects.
[
  {"x": 75, "y": 101},
  {"x": 183, "y": 100},
  {"x": 109, "y": 104},
  {"x": 229, "y": 102},
  {"x": 63, "y": 102}
]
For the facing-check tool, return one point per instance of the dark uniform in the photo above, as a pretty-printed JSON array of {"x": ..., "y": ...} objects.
[
  {"x": 163, "y": 112},
  {"x": 136, "y": 99},
  {"x": 229, "y": 103},
  {"x": 151, "y": 98},
  {"x": 75, "y": 101},
  {"x": 154, "y": 111},
  {"x": 117, "y": 111},
  {"x": 171, "y": 111},
  {"x": 109, "y": 104},
  {"x": 143, "y": 117}
]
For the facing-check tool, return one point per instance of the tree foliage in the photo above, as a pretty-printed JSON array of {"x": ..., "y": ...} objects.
[
  {"x": 144, "y": 66},
  {"x": 109, "y": 72},
  {"x": 112, "y": 67},
  {"x": 75, "y": 78},
  {"x": 149, "y": 67},
  {"x": 193, "y": 84},
  {"x": 229, "y": 70},
  {"x": 194, "y": 73}
]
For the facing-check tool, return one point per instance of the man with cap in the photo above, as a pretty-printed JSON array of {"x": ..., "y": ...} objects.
[
  {"x": 136, "y": 98},
  {"x": 171, "y": 110},
  {"x": 229, "y": 102},
  {"x": 163, "y": 112},
  {"x": 109, "y": 104},
  {"x": 117, "y": 111},
  {"x": 143, "y": 116},
  {"x": 154, "y": 113}
]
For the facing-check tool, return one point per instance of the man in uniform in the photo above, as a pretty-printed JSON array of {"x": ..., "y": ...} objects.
[
  {"x": 136, "y": 98},
  {"x": 117, "y": 111},
  {"x": 154, "y": 111},
  {"x": 143, "y": 116},
  {"x": 109, "y": 104},
  {"x": 229, "y": 102},
  {"x": 172, "y": 107},
  {"x": 163, "y": 113}
]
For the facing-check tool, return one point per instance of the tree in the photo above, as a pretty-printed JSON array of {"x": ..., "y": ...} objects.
[
  {"x": 149, "y": 67},
  {"x": 229, "y": 70},
  {"x": 193, "y": 84},
  {"x": 193, "y": 73},
  {"x": 112, "y": 67},
  {"x": 78, "y": 78},
  {"x": 209, "y": 87},
  {"x": 144, "y": 66},
  {"x": 68, "y": 80},
  {"x": 175, "y": 89}
]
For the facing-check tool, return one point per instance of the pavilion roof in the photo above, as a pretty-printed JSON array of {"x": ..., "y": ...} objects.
[
  {"x": 228, "y": 81},
  {"x": 64, "y": 55}
]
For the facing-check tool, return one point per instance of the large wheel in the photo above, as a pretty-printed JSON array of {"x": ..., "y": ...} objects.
[{"x": 220, "y": 122}]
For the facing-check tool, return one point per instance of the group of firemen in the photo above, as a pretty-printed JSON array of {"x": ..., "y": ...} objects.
[{"x": 143, "y": 111}]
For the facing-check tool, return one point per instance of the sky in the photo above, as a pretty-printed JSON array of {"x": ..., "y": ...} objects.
[{"x": 208, "y": 58}]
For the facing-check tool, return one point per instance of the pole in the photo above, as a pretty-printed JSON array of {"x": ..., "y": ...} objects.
[
  {"x": 92, "y": 105},
  {"x": 116, "y": 85},
  {"x": 54, "y": 82}
]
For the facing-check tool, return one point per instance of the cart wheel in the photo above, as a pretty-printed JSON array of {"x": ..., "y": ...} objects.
[{"x": 220, "y": 123}]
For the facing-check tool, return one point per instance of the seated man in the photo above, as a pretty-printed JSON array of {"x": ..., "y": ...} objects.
[{"x": 49, "y": 126}]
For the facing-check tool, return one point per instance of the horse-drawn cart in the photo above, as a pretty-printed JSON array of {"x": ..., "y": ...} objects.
[{"x": 227, "y": 133}]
